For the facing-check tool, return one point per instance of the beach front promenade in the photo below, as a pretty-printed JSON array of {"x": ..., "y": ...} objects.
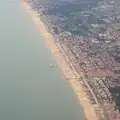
[{"x": 63, "y": 63}]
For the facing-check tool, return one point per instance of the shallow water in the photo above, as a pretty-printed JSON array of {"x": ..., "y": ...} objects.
[{"x": 29, "y": 88}]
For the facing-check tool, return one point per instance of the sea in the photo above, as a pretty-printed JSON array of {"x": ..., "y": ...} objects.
[{"x": 29, "y": 88}]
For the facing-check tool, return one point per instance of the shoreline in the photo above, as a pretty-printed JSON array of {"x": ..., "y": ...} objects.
[{"x": 62, "y": 60}]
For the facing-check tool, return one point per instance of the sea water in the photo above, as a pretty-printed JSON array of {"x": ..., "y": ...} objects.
[{"x": 29, "y": 88}]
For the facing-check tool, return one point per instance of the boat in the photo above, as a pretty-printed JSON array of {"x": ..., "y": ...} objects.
[{"x": 52, "y": 65}]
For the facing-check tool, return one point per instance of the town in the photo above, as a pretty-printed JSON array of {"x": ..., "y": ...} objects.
[{"x": 89, "y": 31}]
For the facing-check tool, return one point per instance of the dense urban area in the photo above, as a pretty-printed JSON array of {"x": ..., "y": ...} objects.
[{"x": 89, "y": 32}]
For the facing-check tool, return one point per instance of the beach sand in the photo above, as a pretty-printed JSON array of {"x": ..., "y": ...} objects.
[{"x": 62, "y": 61}]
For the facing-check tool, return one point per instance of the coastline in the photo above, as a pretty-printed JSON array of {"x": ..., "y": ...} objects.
[{"x": 61, "y": 59}]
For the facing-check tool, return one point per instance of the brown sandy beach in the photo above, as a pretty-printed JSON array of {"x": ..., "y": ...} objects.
[{"x": 62, "y": 62}]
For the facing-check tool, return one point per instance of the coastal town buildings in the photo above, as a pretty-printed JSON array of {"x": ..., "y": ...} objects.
[{"x": 89, "y": 33}]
